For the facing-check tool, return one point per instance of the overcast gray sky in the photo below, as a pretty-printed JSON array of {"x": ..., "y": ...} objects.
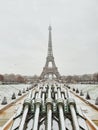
[{"x": 24, "y": 35}]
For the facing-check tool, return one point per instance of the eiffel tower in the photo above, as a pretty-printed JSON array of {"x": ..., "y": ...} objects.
[{"x": 47, "y": 70}]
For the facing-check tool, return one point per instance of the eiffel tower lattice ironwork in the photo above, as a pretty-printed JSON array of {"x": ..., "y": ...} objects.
[{"x": 53, "y": 70}]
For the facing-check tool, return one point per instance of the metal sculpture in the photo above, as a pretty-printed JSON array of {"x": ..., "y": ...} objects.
[{"x": 49, "y": 107}]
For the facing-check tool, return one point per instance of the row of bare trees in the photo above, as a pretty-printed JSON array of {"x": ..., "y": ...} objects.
[
  {"x": 12, "y": 78},
  {"x": 89, "y": 78}
]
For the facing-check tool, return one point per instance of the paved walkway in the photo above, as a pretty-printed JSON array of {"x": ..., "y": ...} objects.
[
  {"x": 87, "y": 109},
  {"x": 6, "y": 114}
]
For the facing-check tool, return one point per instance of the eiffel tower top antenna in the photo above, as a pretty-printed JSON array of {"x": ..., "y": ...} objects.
[{"x": 50, "y": 52}]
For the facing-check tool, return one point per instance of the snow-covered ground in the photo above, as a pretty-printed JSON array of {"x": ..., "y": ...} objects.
[
  {"x": 8, "y": 90},
  {"x": 91, "y": 88}
]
